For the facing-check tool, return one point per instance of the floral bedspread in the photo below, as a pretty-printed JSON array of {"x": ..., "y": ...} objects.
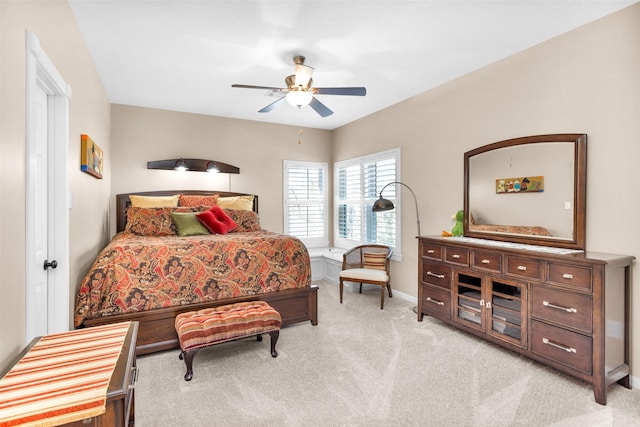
[{"x": 137, "y": 273}]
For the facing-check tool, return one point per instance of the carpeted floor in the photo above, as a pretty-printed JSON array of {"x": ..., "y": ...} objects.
[{"x": 365, "y": 367}]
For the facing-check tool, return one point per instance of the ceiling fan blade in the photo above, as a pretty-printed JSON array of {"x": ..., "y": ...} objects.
[
  {"x": 257, "y": 87},
  {"x": 273, "y": 105},
  {"x": 320, "y": 108},
  {"x": 351, "y": 91}
]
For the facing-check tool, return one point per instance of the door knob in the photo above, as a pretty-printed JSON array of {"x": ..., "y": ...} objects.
[{"x": 52, "y": 264}]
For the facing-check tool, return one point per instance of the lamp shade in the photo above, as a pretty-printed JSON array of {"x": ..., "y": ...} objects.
[
  {"x": 381, "y": 205},
  {"x": 303, "y": 75},
  {"x": 299, "y": 98}
]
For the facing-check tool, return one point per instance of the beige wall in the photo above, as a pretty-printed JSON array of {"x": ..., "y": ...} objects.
[
  {"x": 89, "y": 112},
  {"x": 258, "y": 149},
  {"x": 584, "y": 81}
]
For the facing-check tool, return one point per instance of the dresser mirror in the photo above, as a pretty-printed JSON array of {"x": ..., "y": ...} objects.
[{"x": 529, "y": 190}]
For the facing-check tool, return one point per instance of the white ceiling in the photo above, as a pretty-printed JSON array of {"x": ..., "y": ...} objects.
[{"x": 185, "y": 55}]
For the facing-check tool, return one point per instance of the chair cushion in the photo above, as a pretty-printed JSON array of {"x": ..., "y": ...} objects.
[
  {"x": 376, "y": 261},
  {"x": 364, "y": 274}
]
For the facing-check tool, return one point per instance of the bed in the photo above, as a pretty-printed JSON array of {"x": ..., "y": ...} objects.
[{"x": 149, "y": 274}]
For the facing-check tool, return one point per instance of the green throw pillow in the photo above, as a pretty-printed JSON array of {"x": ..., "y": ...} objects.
[{"x": 188, "y": 225}]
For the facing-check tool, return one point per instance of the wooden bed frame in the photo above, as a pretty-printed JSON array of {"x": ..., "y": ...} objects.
[{"x": 156, "y": 330}]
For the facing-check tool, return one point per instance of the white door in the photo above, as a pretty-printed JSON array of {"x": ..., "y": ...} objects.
[
  {"x": 47, "y": 195},
  {"x": 37, "y": 227}
]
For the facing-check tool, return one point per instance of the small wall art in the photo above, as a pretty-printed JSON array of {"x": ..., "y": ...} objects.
[
  {"x": 521, "y": 184},
  {"x": 91, "y": 157}
]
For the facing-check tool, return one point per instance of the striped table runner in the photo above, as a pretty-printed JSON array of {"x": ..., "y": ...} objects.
[{"x": 63, "y": 378}]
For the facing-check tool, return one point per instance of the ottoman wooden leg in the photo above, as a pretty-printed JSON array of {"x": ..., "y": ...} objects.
[
  {"x": 274, "y": 339},
  {"x": 188, "y": 360}
]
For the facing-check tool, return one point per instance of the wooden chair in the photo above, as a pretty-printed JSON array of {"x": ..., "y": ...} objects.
[{"x": 367, "y": 264}]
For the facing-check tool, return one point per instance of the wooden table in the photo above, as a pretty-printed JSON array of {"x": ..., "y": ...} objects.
[{"x": 119, "y": 407}]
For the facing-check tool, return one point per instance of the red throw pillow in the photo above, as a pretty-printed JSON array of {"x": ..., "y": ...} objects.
[
  {"x": 222, "y": 216},
  {"x": 209, "y": 220},
  {"x": 216, "y": 220}
]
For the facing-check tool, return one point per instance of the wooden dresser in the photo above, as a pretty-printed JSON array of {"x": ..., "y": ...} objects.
[{"x": 568, "y": 311}]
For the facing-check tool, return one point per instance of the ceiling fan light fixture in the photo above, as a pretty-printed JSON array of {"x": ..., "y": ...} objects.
[
  {"x": 303, "y": 75},
  {"x": 299, "y": 90},
  {"x": 299, "y": 98}
]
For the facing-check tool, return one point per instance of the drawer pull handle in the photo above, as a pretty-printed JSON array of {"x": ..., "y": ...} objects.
[
  {"x": 435, "y": 301},
  {"x": 561, "y": 347},
  {"x": 134, "y": 377},
  {"x": 431, "y": 251},
  {"x": 558, "y": 307},
  {"x": 455, "y": 256},
  {"x": 485, "y": 261},
  {"x": 522, "y": 268},
  {"x": 567, "y": 276},
  {"x": 439, "y": 276}
]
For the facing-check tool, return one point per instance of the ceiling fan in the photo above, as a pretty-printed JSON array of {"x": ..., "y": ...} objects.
[{"x": 300, "y": 92}]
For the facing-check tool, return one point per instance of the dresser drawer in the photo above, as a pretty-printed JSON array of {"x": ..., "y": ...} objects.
[
  {"x": 436, "y": 302},
  {"x": 433, "y": 251},
  {"x": 456, "y": 255},
  {"x": 570, "y": 275},
  {"x": 568, "y": 348},
  {"x": 436, "y": 274},
  {"x": 567, "y": 308},
  {"x": 524, "y": 267},
  {"x": 486, "y": 260}
]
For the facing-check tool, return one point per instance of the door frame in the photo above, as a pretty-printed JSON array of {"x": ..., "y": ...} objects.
[{"x": 41, "y": 72}]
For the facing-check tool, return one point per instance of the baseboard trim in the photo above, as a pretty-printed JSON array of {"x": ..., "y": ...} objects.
[{"x": 405, "y": 297}]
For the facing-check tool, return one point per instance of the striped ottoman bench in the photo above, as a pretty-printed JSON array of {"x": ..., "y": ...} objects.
[{"x": 203, "y": 328}]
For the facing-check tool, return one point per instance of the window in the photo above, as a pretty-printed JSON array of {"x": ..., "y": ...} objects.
[
  {"x": 357, "y": 185},
  {"x": 305, "y": 202}
]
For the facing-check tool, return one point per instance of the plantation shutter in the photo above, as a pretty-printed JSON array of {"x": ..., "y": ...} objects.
[
  {"x": 358, "y": 183},
  {"x": 381, "y": 226},
  {"x": 305, "y": 207},
  {"x": 349, "y": 207}
]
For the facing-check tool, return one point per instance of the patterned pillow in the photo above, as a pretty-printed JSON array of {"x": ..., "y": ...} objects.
[
  {"x": 193, "y": 200},
  {"x": 375, "y": 261},
  {"x": 153, "y": 221},
  {"x": 246, "y": 220}
]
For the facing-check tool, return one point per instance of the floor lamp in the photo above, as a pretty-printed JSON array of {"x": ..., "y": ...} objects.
[{"x": 381, "y": 205}]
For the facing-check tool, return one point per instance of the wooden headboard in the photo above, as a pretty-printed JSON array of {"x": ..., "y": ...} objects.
[{"x": 123, "y": 202}]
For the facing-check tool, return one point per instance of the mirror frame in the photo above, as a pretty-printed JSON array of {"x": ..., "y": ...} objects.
[{"x": 579, "y": 192}]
